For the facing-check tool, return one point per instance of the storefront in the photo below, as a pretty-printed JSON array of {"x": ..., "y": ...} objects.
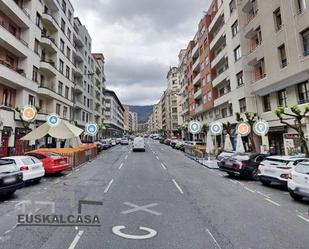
[{"x": 275, "y": 139}]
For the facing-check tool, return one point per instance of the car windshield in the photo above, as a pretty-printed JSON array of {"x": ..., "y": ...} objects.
[
  {"x": 302, "y": 168},
  {"x": 27, "y": 161},
  {"x": 7, "y": 166}
]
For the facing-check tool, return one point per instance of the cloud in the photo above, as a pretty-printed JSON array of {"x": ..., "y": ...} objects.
[{"x": 140, "y": 39}]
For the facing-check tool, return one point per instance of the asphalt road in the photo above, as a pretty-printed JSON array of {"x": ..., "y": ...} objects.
[{"x": 159, "y": 199}]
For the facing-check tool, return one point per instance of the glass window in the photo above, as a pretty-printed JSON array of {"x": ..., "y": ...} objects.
[
  {"x": 65, "y": 112},
  {"x": 301, "y": 5},
  {"x": 266, "y": 103},
  {"x": 36, "y": 46},
  {"x": 232, "y": 6},
  {"x": 64, "y": 6},
  {"x": 38, "y": 20},
  {"x": 305, "y": 39},
  {"x": 282, "y": 56},
  {"x": 235, "y": 28},
  {"x": 237, "y": 53},
  {"x": 35, "y": 74},
  {"x": 303, "y": 93},
  {"x": 31, "y": 100},
  {"x": 242, "y": 105},
  {"x": 60, "y": 87},
  {"x": 282, "y": 100},
  {"x": 278, "y": 19},
  {"x": 58, "y": 107},
  {"x": 61, "y": 45},
  {"x": 62, "y": 25},
  {"x": 67, "y": 72},
  {"x": 61, "y": 65},
  {"x": 68, "y": 53},
  {"x": 240, "y": 79}
]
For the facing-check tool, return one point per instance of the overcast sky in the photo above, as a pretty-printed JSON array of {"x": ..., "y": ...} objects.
[{"x": 140, "y": 40}]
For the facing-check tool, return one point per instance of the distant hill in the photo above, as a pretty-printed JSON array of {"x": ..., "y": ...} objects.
[{"x": 143, "y": 112}]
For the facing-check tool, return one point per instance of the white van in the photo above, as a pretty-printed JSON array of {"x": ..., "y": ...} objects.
[{"x": 138, "y": 144}]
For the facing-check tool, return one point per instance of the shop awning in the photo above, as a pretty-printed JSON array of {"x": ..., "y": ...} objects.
[{"x": 64, "y": 130}]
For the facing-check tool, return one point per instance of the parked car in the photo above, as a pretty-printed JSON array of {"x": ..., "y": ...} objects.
[
  {"x": 162, "y": 139},
  {"x": 105, "y": 144},
  {"x": 167, "y": 141},
  {"x": 52, "y": 162},
  {"x": 124, "y": 141},
  {"x": 180, "y": 145},
  {"x": 31, "y": 167},
  {"x": 298, "y": 182},
  {"x": 11, "y": 178},
  {"x": 138, "y": 144},
  {"x": 99, "y": 146},
  {"x": 278, "y": 168},
  {"x": 173, "y": 143},
  {"x": 242, "y": 164},
  {"x": 118, "y": 140},
  {"x": 223, "y": 156},
  {"x": 113, "y": 142}
]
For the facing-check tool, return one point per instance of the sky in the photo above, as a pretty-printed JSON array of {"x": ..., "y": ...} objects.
[{"x": 140, "y": 40}]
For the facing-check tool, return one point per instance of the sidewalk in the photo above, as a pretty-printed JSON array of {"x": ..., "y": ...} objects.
[{"x": 211, "y": 163}]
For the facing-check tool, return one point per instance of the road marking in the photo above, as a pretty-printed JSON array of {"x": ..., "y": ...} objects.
[
  {"x": 120, "y": 166},
  {"x": 69, "y": 174},
  {"x": 108, "y": 186},
  {"x": 144, "y": 208},
  {"x": 219, "y": 174},
  {"x": 260, "y": 193},
  {"x": 76, "y": 239},
  {"x": 157, "y": 158},
  {"x": 216, "y": 242},
  {"x": 77, "y": 170},
  {"x": 303, "y": 218},
  {"x": 163, "y": 166},
  {"x": 151, "y": 233},
  {"x": 249, "y": 189},
  {"x": 126, "y": 157},
  {"x": 233, "y": 181},
  {"x": 177, "y": 186},
  {"x": 273, "y": 202}
]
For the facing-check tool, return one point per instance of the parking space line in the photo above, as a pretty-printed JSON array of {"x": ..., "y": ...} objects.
[
  {"x": 120, "y": 166},
  {"x": 233, "y": 181},
  {"x": 273, "y": 202},
  {"x": 157, "y": 158},
  {"x": 216, "y": 242},
  {"x": 108, "y": 186},
  {"x": 163, "y": 166},
  {"x": 303, "y": 218},
  {"x": 177, "y": 186},
  {"x": 249, "y": 189},
  {"x": 126, "y": 157},
  {"x": 76, "y": 239},
  {"x": 260, "y": 193}
]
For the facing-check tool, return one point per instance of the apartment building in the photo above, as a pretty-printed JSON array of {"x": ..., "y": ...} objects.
[
  {"x": 134, "y": 116},
  {"x": 43, "y": 54},
  {"x": 275, "y": 40},
  {"x": 155, "y": 119},
  {"x": 114, "y": 113}
]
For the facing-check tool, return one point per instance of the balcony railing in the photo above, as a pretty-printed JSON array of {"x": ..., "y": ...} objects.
[
  {"x": 3, "y": 24},
  {"x": 8, "y": 65}
]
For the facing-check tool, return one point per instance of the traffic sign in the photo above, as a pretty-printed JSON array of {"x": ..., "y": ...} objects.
[
  {"x": 53, "y": 120},
  {"x": 261, "y": 127},
  {"x": 28, "y": 113},
  {"x": 243, "y": 129},
  {"x": 92, "y": 129},
  {"x": 216, "y": 128},
  {"x": 194, "y": 127}
]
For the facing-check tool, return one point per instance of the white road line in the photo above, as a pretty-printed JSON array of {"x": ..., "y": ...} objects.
[
  {"x": 249, "y": 189},
  {"x": 273, "y": 202},
  {"x": 157, "y": 158},
  {"x": 126, "y": 157},
  {"x": 303, "y": 218},
  {"x": 177, "y": 186},
  {"x": 260, "y": 193},
  {"x": 216, "y": 242},
  {"x": 233, "y": 181},
  {"x": 76, "y": 239},
  {"x": 69, "y": 174},
  {"x": 163, "y": 166},
  {"x": 108, "y": 186},
  {"x": 120, "y": 166}
]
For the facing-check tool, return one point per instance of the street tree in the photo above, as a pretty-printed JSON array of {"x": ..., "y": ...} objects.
[
  {"x": 204, "y": 130},
  {"x": 250, "y": 118},
  {"x": 298, "y": 116}
]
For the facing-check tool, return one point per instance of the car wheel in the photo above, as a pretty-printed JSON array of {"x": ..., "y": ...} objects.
[
  {"x": 231, "y": 174},
  {"x": 296, "y": 197},
  {"x": 265, "y": 182},
  {"x": 10, "y": 193},
  {"x": 37, "y": 180},
  {"x": 254, "y": 174}
]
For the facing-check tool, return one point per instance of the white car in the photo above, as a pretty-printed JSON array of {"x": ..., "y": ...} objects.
[
  {"x": 298, "y": 183},
  {"x": 113, "y": 142},
  {"x": 31, "y": 167},
  {"x": 138, "y": 144},
  {"x": 278, "y": 168}
]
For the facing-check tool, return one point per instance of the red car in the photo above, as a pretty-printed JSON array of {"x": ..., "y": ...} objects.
[{"x": 52, "y": 162}]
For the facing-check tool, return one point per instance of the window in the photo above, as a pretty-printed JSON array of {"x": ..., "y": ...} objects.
[
  {"x": 69, "y": 15},
  {"x": 65, "y": 112},
  {"x": 58, "y": 107},
  {"x": 303, "y": 92},
  {"x": 38, "y": 20},
  {"x": 36, "y": 46},
  {"x": 232, "y": 6},
  {"x": 83, "y": 116},
  {"x": 278, "y": 19},
  {"x": 224, "y": 112},
  {"x": 259, "y": 70},
  {"x": 62, "y": 25},
  {"x": 305, "y": 39},
  {"x": 282, "y": 98},
  {"x": 7, "y": 97},
  {"x": 68, "y": 53},
  {"x": 64, "y": 6},
  {"x": 67, "y": 72},
  {"x": 235, "y": 28},
  {"x": 240, "y": 78},
  {"x": 282, "y": 56},
  {"x": 266, "y": 103},
  {"x": 69, "y": 32},
  {"x": 35, "y": 74},
  {"x": 31, "y": 100},
  {"x": 61, "y": 45},
  {"x": 301, "y": 5},
  {"x": 61, "y": 65},
  {"x": 237, "y": 53},
  {"x": 242, "y": 105},
  {"x": 60, "y": 87},
  {"x": 66, "y": 92}
]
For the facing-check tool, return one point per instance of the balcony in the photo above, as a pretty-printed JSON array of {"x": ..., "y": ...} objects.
[
  {"x": 48, "y": 92},
  {"x": 12, "y": 43},
  {"x": 17, "y": 13},
  {"x": 78, "y": 88},
  {"x": 78, "y": 41},
  {"x": 223, "y": 99},
  {"x": 77, "y": 55},
  {"x": 195, "y": 51},
  {"x": 49, "y": 22},
  {"x": 220, "y": 78},
  {"x": 15, "y": 77},
  {"x": 220, "y": 58},
  {"x": 48, "y": 67},
  {"x": 77, "y": 72},
  {"x": 199, "y": 109},
  {"x": 49, "y": 44},
  {"x": 218, "y": 17},
  {"x": 198, "y": 94},
  {"x": 218, "y": 39},
  {"x": 197, "y": 79},
  {"x": 52, "y": 4},
  {"x": 196, "y": 66}
]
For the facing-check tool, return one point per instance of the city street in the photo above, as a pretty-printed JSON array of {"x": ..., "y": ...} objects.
[{"x": 159, "y": 199}]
